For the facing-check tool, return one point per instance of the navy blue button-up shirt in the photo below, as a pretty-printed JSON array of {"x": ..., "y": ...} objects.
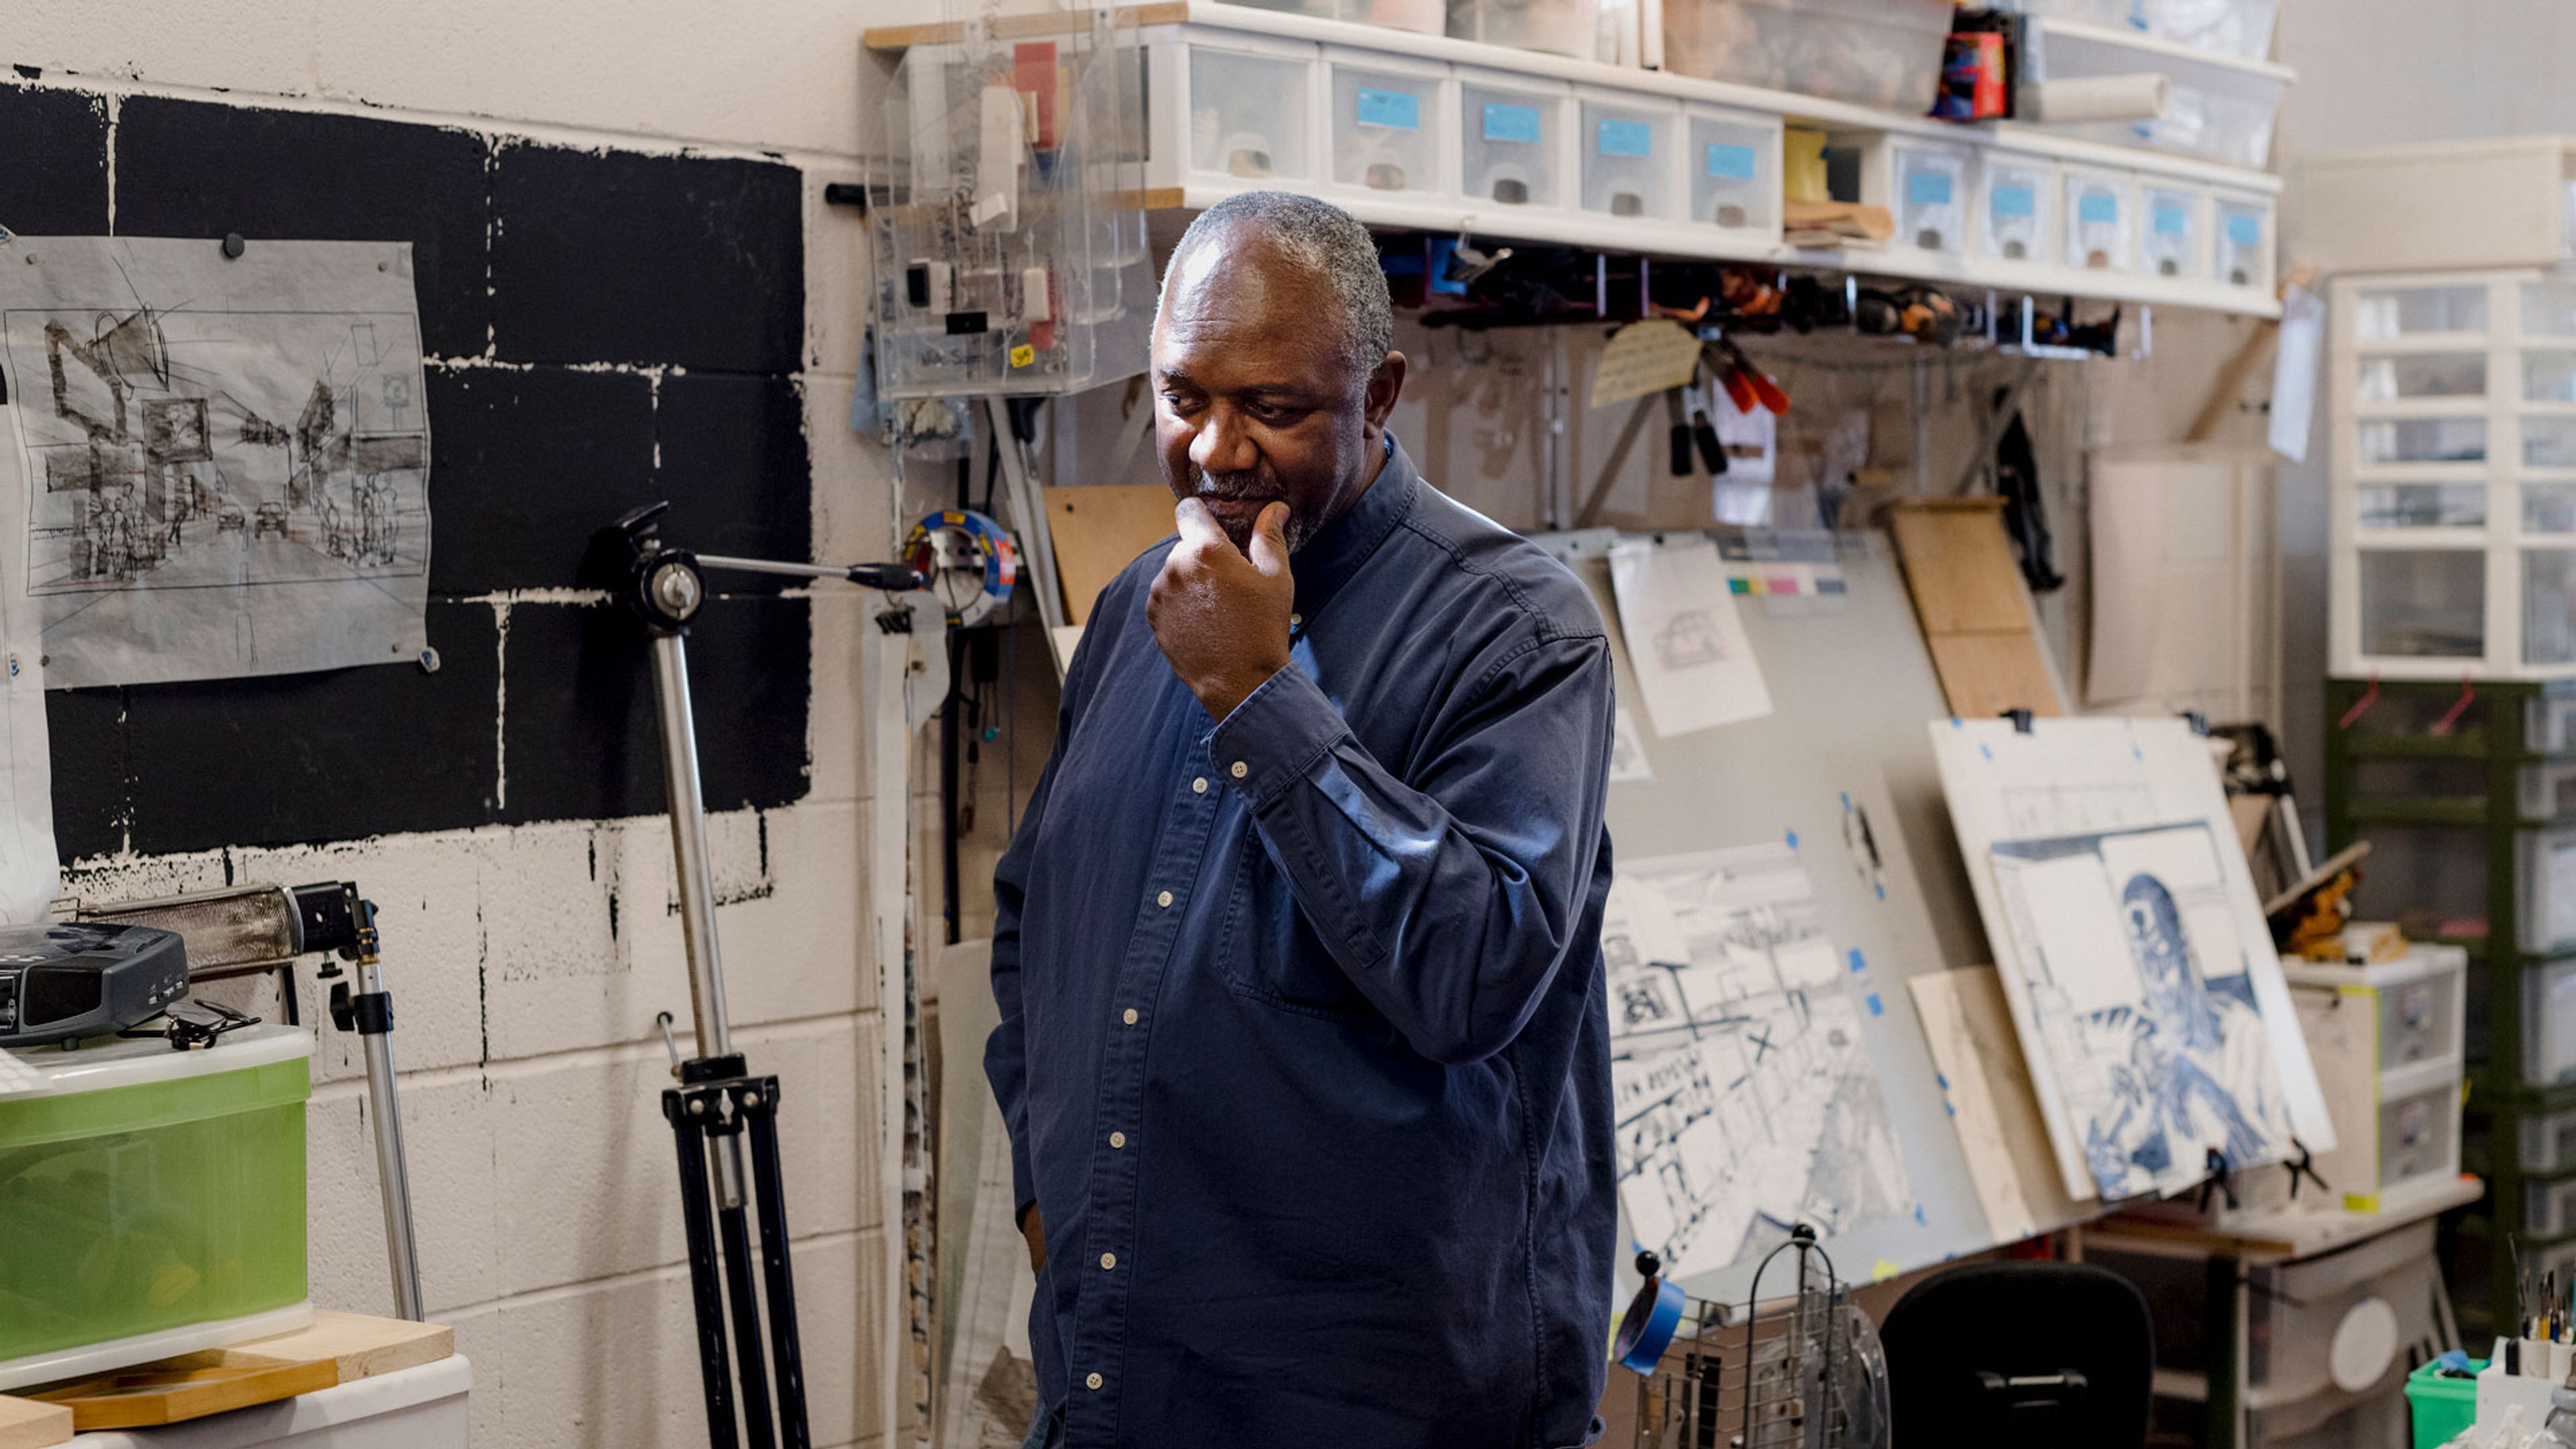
[{"x": 1304, "y": 1052}]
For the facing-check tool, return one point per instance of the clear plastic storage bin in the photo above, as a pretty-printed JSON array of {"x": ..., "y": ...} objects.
[
  {"x": 2549, "y": 1141},
  {"x": 2549, "y": 375},
  {"x": 2549, "y": 1024},
  {"x": 2173, "y": 232},
  {"x": 2292, "y": 1312},
  {"x": 2549, "y": 721},
  {"x": 2423, "y": 603},
  {"x": 2548, "y": 442},
  {"x": 1248, "y": 115},
  {"x": 2382, "y": 313},
  {"x": 1423, "y": 17},
  {"x": 2401, "y": 376},
  {"x": 1386, "y": 130},
  {"x": 2548, "y": 606},
  {"x": 2549, "y": 1208},
  {"x": 1627, "y": 155},
  {"x": 2417, "y": 1001},
  {"x": 1734, "y": 165},
  {"x": 1931, "y": 196},
  {"x": 1512, "y": 144},
  {"x": 1558, "y": 27},
  {"x": 2097, "y": 221},
  {"x": 2020, "y": 199},
  {"x": 2419, "y": 1138},
  {"x": 1884, "y": 53},
  {"x": 2244, "y": 243},
  {"x": 150, "y": 1192},
  {"x": 2423, "y": 440}
]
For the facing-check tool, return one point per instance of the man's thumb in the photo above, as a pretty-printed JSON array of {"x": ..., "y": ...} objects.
[{"x": 1270, "y": 540}]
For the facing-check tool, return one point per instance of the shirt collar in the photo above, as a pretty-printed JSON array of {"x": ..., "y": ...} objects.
[{"x": 1331, "y": 557}]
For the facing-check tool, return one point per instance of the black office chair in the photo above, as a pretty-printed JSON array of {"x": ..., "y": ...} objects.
[{"x": 2020, "y": 1356}]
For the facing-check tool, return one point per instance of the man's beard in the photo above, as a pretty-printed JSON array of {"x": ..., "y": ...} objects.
[{"x": 1295, "y": 533}]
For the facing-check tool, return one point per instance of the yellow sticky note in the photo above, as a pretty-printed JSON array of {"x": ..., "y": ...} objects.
[
  {"x": 1882, "y": 1270},
  {"x": 1023, "y": 355}
]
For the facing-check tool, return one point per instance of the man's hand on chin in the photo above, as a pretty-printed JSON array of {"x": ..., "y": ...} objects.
[
  {"x": 1220, "y": 616},
  {"x": 1033, "y": 1228}
]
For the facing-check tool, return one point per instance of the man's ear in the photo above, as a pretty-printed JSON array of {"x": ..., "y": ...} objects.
[{"x": 1384, "y": 386}]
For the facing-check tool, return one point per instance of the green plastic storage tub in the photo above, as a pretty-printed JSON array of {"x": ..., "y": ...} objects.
[
  {"x": 2442, "y": 1408},
  {"x": 152, "y": 1203}
]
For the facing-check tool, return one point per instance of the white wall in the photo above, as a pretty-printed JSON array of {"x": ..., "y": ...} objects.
[{"x": 542, "y": 1175}]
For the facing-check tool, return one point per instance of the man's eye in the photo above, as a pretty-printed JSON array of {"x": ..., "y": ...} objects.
[
  {"x": 1178, "y": 403},
  {"x": 1267, "y": 412}
]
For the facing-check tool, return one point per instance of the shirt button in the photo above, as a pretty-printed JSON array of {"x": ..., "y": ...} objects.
[
  {"x": 1108, "y": 1260},
  {"x": 1130, "y": 1017},
  {"x": 1164, "y": 900},
  {"x": 1199, "y": 785},
  {"x": 1241, "y": 769},
  {"x": 1294, "y": 620},
  {"x": 1092, "y": 1382},
  {"x": 1117, "y": 1139}
]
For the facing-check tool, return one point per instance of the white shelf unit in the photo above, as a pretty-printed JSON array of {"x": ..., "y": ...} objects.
[
  {"x": 1239, "y": 99},
  {"x": 2453, "y": 400}
]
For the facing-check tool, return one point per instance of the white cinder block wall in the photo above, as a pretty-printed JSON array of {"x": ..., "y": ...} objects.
[{"x": 542, "y": 1172}]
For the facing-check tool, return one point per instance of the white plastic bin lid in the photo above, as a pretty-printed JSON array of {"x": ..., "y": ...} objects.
[{"x": 133, "y": 1061}]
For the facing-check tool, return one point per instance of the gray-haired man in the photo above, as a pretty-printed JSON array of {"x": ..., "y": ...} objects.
[{"x": 1303, "y": 1047}]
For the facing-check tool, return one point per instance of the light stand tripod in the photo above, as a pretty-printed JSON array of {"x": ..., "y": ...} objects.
[{"x": 719, "y": 1107}]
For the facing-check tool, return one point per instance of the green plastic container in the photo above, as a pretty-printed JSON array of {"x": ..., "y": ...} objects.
[
  {"x": 2442, "y": 1408},
  {"x": 151, "y": 1191}
]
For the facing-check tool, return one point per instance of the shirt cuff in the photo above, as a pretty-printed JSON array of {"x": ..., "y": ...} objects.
[{"x": 1278, "y": 730}]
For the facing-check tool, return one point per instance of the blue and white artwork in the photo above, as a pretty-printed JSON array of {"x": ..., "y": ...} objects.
[{"x": 2140, "y": 988}]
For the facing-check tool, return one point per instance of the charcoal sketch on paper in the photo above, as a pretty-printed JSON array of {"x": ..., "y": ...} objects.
[
  {"x": 2136, "y": 976},
  {"x": 1744, "y": 1093},
  {"x": 225, "y": 463}
]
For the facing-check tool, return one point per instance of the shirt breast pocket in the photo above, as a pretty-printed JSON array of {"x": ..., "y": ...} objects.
[{"x": 1270, "y": 952}]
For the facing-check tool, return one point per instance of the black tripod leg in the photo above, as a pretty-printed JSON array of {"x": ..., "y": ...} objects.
[
  {"x": 712, "y": 1364},
  {"x": 735, "y": 1228},
  {"x": 783, "y": 1342}
]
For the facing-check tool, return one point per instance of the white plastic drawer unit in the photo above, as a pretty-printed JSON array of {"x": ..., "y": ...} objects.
[
  {"x": 1628, "y": 159},
  {"x": 1930, "y": 196},
  {"x": 2098, "y": 221},
  {"x": 1513, "y": 138},
  {"x": 1734, "y": 162},
  {"x": 2020, "y": 200},
  {"x": 1388, "y": 129},
  {"x": 1248, "y": 112},
  {"x": 2175, "y": 232}
]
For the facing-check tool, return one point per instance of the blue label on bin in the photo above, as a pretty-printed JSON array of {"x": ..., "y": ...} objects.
[
  {"x": 2172, "y": 219},
  {"x": 2098, "y": 208},
  {"x": 1626, "y": 138},
  {"x": 1927, "y": 188},
  {"x": 2244, "y": 228},
  {"x": 2016, "y": 201},
  {"x": 1518, "y": 124},
  {"x": 1733, "y": 163},
  {"x": 1397, "y": 110}
]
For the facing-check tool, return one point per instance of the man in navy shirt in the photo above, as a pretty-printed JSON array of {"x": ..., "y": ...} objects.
[{"x": 1303, "y": 1050}]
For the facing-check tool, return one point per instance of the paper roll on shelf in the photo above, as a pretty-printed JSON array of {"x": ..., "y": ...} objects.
[{"x": 2143, "y": 97}]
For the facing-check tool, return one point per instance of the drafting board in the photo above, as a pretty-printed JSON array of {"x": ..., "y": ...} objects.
[
  {"x": 1852, "y": 688},
  {"x": 2127, "y": 781}
]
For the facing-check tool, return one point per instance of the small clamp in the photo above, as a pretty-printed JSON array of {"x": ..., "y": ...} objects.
[
  {"x": 2220, "y": 1180},
  {"x": 196, "y": 1025},
  {"x": 2304, "y": 1165}
]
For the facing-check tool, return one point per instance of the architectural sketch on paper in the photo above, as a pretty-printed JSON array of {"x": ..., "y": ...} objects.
[
  {"x": 225, "y": 463},
  {"x": 2137, "y": 979},
  {"x": 1744, "y": 1092},
  {"x": 177, "y": 449}
]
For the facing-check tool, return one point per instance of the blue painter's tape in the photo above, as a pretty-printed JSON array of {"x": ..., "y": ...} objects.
[
  {"x": 1395, "y": 110},
  {"x": 1927, "y": 188},
  {"x": 2172, "y": 219},
  {"x": 1646, "y": 1330},
  {"x": 1918, "y": 1215},
  {"x": 1516, "y": 124},
  {"x": 2244, "y": 228},
  {"x": 1730, "y": 163},
  {"x": 1882, "y": 892},
  {"x": 1846, "y": 799},
  {"x": 1943, "y": 1078},
  {"x": 1857, "y": 964},
  {"x": 1949, "y": 1110},
  {"x": 1624, "y": 138},
  {"x": 1793, "y": 840},
  {"x": 1876, "y": 1006},
  {"x": 2098, "y": 208},
  {"x": 2015, "y": 201},
  {"x": 1986, "y": 750}
]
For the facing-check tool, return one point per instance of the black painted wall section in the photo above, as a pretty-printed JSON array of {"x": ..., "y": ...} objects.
[{"x": 535, "y": 266}]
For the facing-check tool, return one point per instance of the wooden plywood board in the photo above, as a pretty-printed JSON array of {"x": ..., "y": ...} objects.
[
  {"x": 1099, "y": 530},
  {"x": 1986, "y": 1085},
  {"x": 360, "y": 1346},
  {"x": 27, "y": 1424},
  {"x": 1987, "y": 674},
  {"x": 1958, "y": 565},
  {"x": 182, "y": 1389}
]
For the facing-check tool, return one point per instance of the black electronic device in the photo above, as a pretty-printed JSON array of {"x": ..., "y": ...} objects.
[{"x": 76, "y": 979}]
